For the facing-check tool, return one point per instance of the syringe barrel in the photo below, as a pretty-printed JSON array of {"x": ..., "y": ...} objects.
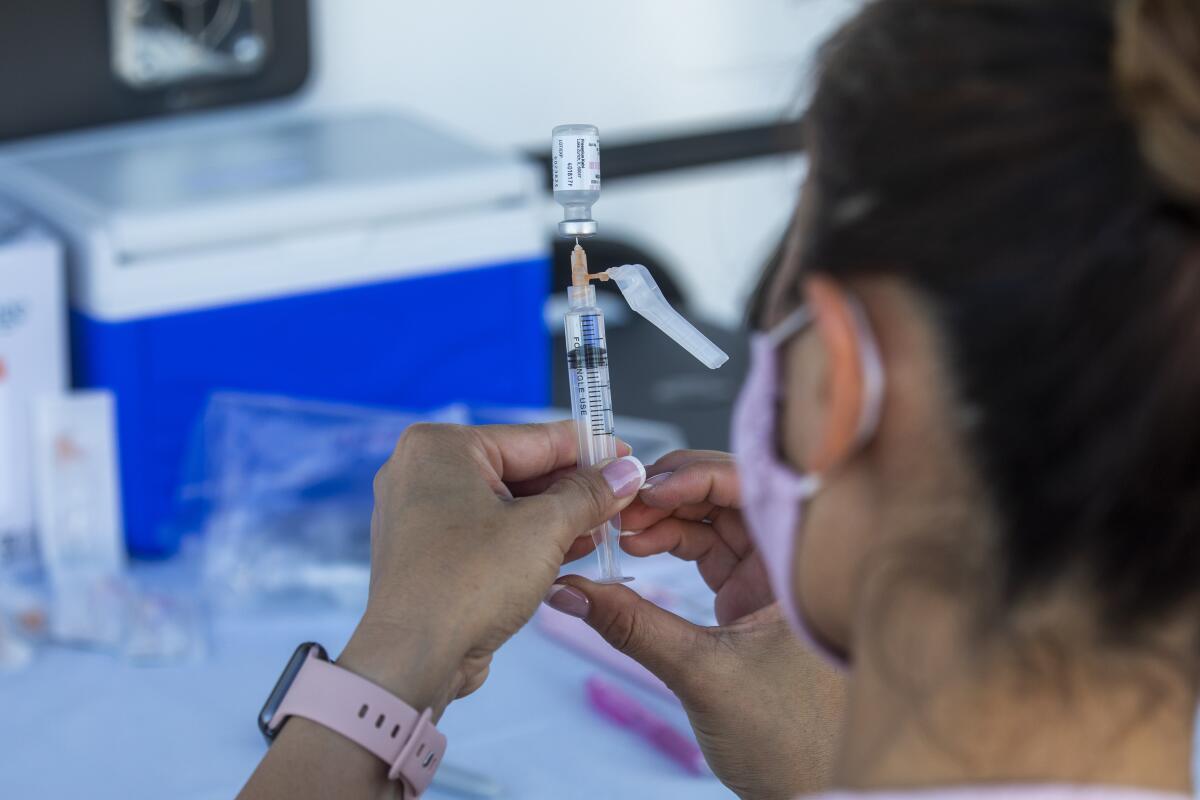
[
  {"x": 591, "y": 408},
  {"x": 591, "y": 394}
]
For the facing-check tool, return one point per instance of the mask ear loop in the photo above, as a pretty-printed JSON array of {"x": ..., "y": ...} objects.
[
  {"x": 874, "y": 379},
  {"x": 870, "y": 363},
  {"x": 792, "y": 324}
]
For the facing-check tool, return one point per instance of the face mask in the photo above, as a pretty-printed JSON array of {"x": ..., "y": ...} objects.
[{"x": 774, "y": 495}]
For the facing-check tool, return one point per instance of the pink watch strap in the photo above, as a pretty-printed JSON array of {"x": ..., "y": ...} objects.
[{"x": 367, "y": 715}]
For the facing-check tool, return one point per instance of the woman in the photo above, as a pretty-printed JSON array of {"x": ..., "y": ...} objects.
[{"x": 970, "y": 446}]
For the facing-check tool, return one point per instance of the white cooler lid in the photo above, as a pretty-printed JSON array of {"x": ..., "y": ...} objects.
[{"x": 185, "y": 186}]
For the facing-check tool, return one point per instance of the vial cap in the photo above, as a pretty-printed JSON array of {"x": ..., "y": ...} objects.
[{"x": 577, "y": 227}]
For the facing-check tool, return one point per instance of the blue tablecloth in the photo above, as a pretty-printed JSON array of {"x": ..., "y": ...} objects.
[{"x": 86, "y": 724}]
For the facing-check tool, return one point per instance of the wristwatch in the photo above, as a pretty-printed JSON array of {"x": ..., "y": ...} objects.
[{"x": 314, "y": 688}]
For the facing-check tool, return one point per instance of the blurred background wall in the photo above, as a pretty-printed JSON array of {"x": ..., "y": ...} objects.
[
  {"x": 219, "y": 172},
  {"x": 506, "y": 73}
]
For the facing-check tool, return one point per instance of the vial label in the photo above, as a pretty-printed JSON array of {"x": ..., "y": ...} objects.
[{"x": 576, "y": 162}]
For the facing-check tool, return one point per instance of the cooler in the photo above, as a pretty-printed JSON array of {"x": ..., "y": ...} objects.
[{"x": 365, "y": 258}]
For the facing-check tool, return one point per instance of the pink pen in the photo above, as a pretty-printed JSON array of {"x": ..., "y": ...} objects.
[{"x": 613, "y": 703}]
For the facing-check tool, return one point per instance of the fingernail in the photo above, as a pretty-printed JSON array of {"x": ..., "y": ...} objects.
[
  {"x": 629, "y": 533},
  {"x": 625, "y": 476},
  {"x": 655, "y": 480},
  {"x": 568, "y": 600}
]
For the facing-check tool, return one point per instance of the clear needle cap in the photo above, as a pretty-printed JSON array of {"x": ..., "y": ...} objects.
[{"x": 644, "y": 297}]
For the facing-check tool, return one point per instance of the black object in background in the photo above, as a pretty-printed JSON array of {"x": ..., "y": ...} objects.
[
  {"x": 57, "y": 68},
  {"x": 631, "y": 158}
]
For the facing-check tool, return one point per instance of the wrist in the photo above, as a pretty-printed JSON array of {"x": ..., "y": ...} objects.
[{"x": 411, "y": 664}]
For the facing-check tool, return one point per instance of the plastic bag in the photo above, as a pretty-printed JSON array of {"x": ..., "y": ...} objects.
[{"x": 281, "y": 490}]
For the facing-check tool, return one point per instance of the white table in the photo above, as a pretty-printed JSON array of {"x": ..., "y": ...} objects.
[{"x": 85, "y": 724}]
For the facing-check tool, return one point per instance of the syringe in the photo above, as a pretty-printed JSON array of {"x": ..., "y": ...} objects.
[
  {"x": 575, "y": 155},
  {"x": 591, "y": 397}
]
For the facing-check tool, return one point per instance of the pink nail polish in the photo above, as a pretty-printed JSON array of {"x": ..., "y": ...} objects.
[
  {"x": 568, "y": 600},
  {"x": 625, "y": 476}
]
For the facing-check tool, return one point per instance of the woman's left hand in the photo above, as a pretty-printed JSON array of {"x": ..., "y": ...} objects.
[{"x": 471, "y": 526}]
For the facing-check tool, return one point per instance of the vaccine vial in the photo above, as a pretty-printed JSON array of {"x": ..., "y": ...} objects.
[{"x": 575, "y": 160}]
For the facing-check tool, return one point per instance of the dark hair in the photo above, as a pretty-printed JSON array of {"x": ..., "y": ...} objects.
[{"x": 1032, "y": 169}]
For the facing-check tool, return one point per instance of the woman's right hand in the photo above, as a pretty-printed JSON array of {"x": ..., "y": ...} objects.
[{"x": 765, "y": 709}]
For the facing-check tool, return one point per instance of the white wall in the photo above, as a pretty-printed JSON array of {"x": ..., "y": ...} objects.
[{"x": 507, "y": 72}]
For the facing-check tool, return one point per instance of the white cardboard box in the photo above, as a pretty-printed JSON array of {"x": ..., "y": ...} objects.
[
  {"x": 33, "y": 362},
  {"x": 77, "y": 499}
]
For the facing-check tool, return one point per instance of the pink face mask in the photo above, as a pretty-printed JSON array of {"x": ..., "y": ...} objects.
[{"x": 774, "y": 495}]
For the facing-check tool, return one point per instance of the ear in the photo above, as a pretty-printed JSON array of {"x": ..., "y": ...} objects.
[{"x": 844, "y": 389}]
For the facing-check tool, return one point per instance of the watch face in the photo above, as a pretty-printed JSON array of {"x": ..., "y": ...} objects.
[{"x": 283, "y": 684}]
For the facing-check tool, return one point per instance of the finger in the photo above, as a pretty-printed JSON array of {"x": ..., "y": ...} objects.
[
  {"x": 638, "y": 516},
  {"x": 689, "y": 541},
  {"x": 521, "y": 452},
  {"x": 683, "y": 538},
  {"x": 525, "y": 488},
  {"x": 668, "y": 645},
  {"x": 579, "y": 548},
  {"x": 709, "y": 481},
  {"x": 539, "y": 484},
  {"x": 583, "y": 499},
  {"x": 677, "y": 458},
  {"x": 725, "y": 523}
]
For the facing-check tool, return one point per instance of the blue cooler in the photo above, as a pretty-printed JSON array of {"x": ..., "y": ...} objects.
[{"x": 365, "y": 258}]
